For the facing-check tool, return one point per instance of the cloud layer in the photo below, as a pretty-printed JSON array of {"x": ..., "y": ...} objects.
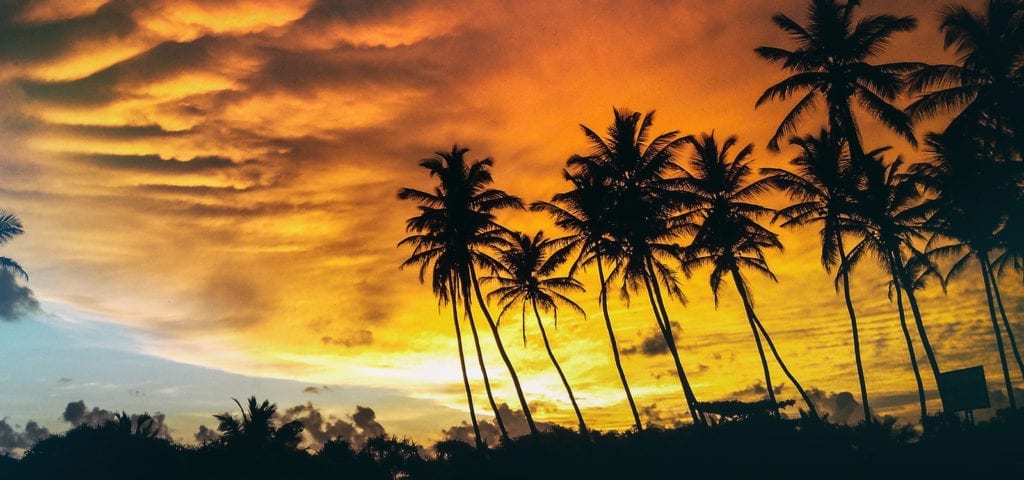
[{"x": 219, "y": 178}]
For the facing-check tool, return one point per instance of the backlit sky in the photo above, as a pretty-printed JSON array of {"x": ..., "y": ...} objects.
[{"x": 208, "y": 192}]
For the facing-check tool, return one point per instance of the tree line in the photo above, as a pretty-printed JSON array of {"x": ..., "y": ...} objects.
[
  {"x": 642, "y": 209},
  {"x": 261, "y": 444}
]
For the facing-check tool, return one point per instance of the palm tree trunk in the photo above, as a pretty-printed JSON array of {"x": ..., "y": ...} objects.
[
  {"x": 983, "y": 260},
  {"x": 615, "y": 346},
  {"x": 462, "y": 365},
  {"x": 902, "y": 278},
  {"x": 661, "y": 317},
  {"x": 558, "y": 368},
  {"x": 845, "y": 277},
  {"x": 501, "y": 350},
  {"x": 1006, "y": 322},
  {"x": 764, "y": 363},
  {"x": 768, "y": 339},
  {"x": 850, "y": 131},
  {"x": 910, "y": 350},
  {"x": 916, "y": 310},
  {"x": 467, "y": 306}
]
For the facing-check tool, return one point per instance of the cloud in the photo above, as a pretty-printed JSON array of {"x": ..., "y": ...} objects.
[
  {"x": 205, "y": 435},
  {"x": 662, "y": 418},
  {"x": 162, "y": 62},
  {"x": 316, "y": 390},
  {"x": 319, "y": 429},
  {"x": 515, "y": 423},
  {"x": 30, "y": 42},
  {"x": 15, "y": 300},
  {"x": 13, "y": 442},
  {"x": 756, "y": 390},
  {"x": 357, "y": 338},
  {"x": 76, "y": 413},
  {"x": 841, "y": 407},
  {"x": 653, "y": 344}
]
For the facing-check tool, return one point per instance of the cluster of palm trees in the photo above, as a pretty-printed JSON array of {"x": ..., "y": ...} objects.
[{"x": 643, "y": 217}]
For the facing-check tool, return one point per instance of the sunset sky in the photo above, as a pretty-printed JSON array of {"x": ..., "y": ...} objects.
[{"x": 208, "y": 190}]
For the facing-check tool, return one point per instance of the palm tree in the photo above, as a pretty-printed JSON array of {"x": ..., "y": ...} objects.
[
  {"x": 830, "y": 62},
  {"x": 526, "y": 278},
  {"x": 727, "y": 236},
  {"x": 584, "y": 213},
  {"x": 642, "y": 203},
  {"x": 901, "y": 311},
  {"x": 257, "y": 428},
  {"x": 821, "y": 185},
  {"x": 987, "y": 86},
  {"x": 10, "y": 227},
  {"x": 455, "y": 226},
  {"x": 967, "y": 192},
  {"x": 887, "y": 222}
]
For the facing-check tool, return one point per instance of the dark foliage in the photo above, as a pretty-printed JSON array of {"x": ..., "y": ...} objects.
[{"x": 738, "y": 448}]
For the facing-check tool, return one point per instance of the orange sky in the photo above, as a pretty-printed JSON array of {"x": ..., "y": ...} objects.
[{"x": 218, "y": 179}]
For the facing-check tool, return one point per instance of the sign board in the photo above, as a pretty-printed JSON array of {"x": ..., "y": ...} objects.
[{"x": 963, "y": 389}]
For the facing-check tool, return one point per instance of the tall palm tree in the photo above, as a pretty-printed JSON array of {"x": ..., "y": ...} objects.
[
  {"x": 583, "y": 212},
  {"x": 987, "y": 86},
  {"x": 642, "y": 203},
  {"x": 10, "y": 227},
  {"x": 964, "y": 208},
  {"x": 526, "y": 278},
  {"x": 455, "y": 227},
  {"x": 887, "y": 223},
  {"x": 728, "y": 237},
  {"x": 822, "y": 187},
  {"x": 830, "y": 63}
]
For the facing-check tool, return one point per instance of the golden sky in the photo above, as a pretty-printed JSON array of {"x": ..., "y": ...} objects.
[{"x": 218, "y": 180}]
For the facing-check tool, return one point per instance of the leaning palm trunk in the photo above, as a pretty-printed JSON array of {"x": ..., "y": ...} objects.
[
  {"x": 764, "y": 364},
  {"x": 752, "y": 317},
  {"x": 983, "y": 260},
  {"x": 462, "y": 366},
  {"x": 916, "y": 310},
  {"x": 902, "y": 278},
  {"x": 661, "y": 317},
  {"x": 910, "y": 350},
  {"x": 483, "y": 369},
  {"x": 856, "y": 334},
  {"x": 558, "y": 368},
  {"x": 615, "y": 346},
  {"x": 504, "y": 356},
  {"x": 1006, "y": 322}
]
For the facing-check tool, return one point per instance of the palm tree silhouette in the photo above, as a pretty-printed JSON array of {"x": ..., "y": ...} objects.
[
  {"x": 727, "y": 236},
  {"x": 830, "y": 62},
  {"x": 822, "y": 186},
  {"x": 584, "y": 212},
  {"x": 526, "y": 278},
  {"x": 968, "y": 191},
  {"x": 458, "y": 226},
  {"x": 887, "y": 222},
  {"x": 642, "y": 204},
  {"x": 987, "y": 86},
  {"x": 142, "y": 426},
  {"x": 257, "y": 428},
  {"x": 10, "y": 227}
]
